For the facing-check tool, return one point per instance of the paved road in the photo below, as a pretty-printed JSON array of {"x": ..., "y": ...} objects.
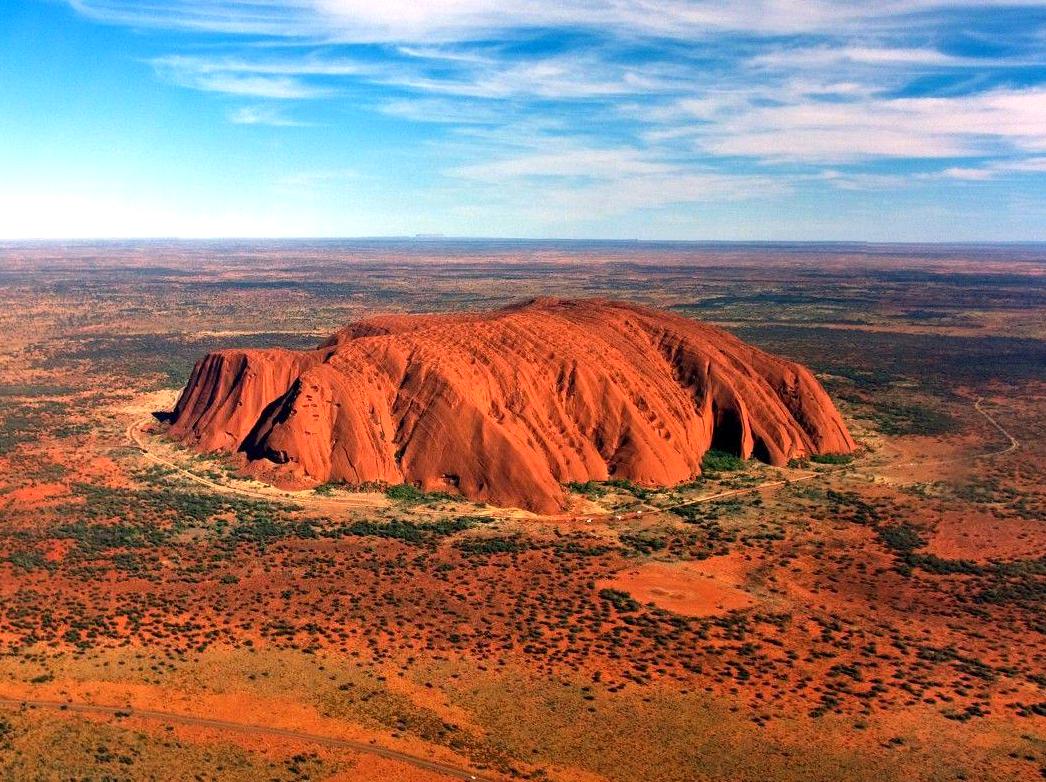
[{"x": 454, "y": 772}]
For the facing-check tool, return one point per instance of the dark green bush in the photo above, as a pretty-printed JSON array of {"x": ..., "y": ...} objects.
[
  {"x": 902, "y": 538},
  {"x": 715, "y": 460},
  {"x": 622, "y": 601},
  {"x": 409, "y": 494},
  {"x": 831, "y": 458}
]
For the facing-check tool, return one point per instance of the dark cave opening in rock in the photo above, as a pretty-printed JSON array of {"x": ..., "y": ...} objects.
[{"x": 726, "y": 436}]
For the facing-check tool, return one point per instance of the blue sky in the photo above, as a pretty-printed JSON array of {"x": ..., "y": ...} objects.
[{"x": 656, "y": 119}]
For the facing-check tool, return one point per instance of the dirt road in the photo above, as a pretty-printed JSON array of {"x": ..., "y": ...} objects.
[
  {"x": 1014, "y": 444},
  {"x": 342, "y": 501},
  {"x": 453, "y": 772},
  {"x": 747, "y": 490}
]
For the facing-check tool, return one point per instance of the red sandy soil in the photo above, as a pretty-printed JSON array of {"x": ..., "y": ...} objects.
[
  {"x": 373, "y": 769},
  {"x": 105, "y": 470},
  {"x": 506, "y": 406},
  {"x": 36, "y": 495},
  {"x": 980, "y": 536},
  {"x": 709, "y": 587}
]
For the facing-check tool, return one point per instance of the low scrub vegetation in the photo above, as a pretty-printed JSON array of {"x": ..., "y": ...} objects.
[{"x": 715, "y": 460}]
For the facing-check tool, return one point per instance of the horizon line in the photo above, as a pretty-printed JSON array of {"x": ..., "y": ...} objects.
[{"x": 421, "y": 238}]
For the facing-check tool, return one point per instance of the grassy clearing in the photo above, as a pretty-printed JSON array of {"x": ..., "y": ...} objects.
[
  {"x": 49, "y": 746},
  {"x": 621, "y": 737}
]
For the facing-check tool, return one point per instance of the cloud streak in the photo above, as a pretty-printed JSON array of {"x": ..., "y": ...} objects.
[
  {"x": 931, "y": 127},
  {"x": 237, "y": 79},
  {"x": 623, "y": 105},
  {"x": 425, "y": 21},
  {"x": 263, "y": 115}
]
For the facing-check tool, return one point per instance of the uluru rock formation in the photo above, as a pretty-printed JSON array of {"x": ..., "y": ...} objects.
[{"x": 506, "y": 406}]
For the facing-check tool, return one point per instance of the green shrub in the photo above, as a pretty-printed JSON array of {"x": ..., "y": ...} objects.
[
  {"x": 622, "y": 601},
  {"x": 634, "y": 489},
  {"x": 507, "y": 545},
  {"x": 590, "y": 489},
  {"x": 27, "y": 560},
  {"x": 831, "y": 458},
  {"x": 902, "y": 538},
  {"x": 409, "y": 494},
  {"x": 643, "y": 543},
  {"x": 715, "y": 460},
  {"x": 897, "y": 419}
]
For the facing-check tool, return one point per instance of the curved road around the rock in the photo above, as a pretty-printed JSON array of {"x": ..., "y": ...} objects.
[
  {"x": 135, "y": 436},
  {"x": 454, "y": 772}
]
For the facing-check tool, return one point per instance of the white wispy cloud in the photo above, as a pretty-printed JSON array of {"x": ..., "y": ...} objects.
[
  {"x": 258, "y": 86},
  {"x": 561, "y": 202},
  {"x": 311, "y": 180},
  {"x": 579, "y": 76},
  {"x": 794, "y": 57},
  {"x": 655, "y": 103},
  {"x": 552, "y": 180},
  {"x": 442, "y": 110},
  {"x": 425, "y": 21},
  {"x": 264, "y": 115},
  {"x": 209, "y": 76},
  {"x": 588, "y": 163},
  {"x": 996, "y": 168},
  {"x": 309, "y": 65},
  {"x": 815, "y": 130}
]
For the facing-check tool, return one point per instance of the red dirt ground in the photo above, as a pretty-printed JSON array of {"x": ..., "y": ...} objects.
[{"x": 710, "y": 587}]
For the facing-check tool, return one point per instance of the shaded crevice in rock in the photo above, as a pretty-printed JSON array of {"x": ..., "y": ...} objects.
[{"x": 255, "y": 444}]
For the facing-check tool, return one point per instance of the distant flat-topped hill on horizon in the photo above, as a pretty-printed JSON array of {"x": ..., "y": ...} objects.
[{"x": 506, "y": 406}]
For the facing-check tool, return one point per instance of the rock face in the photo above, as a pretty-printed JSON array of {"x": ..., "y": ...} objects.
[{"x": 506, "y": 406}]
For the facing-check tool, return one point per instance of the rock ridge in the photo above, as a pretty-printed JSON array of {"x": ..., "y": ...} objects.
[{"x": 506, "y": 406}]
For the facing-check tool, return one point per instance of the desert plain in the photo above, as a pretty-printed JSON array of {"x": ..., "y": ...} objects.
[{"x": 167, "y": 614}]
